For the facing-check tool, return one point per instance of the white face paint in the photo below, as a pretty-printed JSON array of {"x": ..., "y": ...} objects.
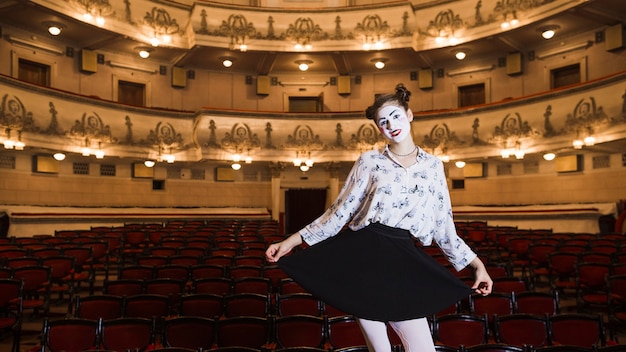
[{"x": 394, "y": 123}]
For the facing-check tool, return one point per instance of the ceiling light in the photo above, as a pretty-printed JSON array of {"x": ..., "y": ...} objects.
[
  {"x": 460, "y": 54},
  {"x": 379, "y": 63},
  {"x": 548, "y": 32},
  {"x": 144, "y": 51},
  {"x": 303, "y": 65},
  {"x": 236, "y": 166},
  {"x": 54, "y": 28},
  {"x": 59, "y": 156},
  {"x": 549, "y": 156},
  {"x": 460, "y": 164},
  {"x": 149, "y": 163},
  {"x": 227, "y": 61}
]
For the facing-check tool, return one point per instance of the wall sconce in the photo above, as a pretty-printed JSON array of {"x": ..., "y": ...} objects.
[
  {"x": 149, "y": 163},
  {"x": 460, "y": 164},
  {"x": 10, "y": 143},
  {"x": 512, "y": 23},
  {"x": 547, "y": 32},
  {"x": 379, "y": 63},
  {"x": 303, "y": 65},
  {"x": 144, "y": 51},
  {"x": 303, "y": 165},
  {"x": 54, "y": 28}
]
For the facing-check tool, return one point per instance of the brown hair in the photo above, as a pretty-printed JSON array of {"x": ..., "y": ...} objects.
[{"x": 401, "y": 97}]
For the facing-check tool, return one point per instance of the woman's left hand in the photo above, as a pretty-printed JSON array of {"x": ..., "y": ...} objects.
[{"x": 483, "y": 284}]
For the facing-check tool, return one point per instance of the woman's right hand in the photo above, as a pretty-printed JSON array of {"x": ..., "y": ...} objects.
[{"x": 276, "y": 250}]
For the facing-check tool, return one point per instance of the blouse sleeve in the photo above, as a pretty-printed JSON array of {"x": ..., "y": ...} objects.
[
  {"x": 348, "y": 201},
  {"x": 459, "y": 254}
]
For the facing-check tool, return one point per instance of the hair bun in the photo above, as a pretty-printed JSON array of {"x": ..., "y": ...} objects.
[
  {"x": 370, "y": 113},
  {"x": 403, "y": 93}
]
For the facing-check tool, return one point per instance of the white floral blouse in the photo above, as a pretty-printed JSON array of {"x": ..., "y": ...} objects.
[{"x": 380, "y": 190}]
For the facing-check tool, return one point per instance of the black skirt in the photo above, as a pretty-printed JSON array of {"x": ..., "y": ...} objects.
[{"x": 375, "y": 273}]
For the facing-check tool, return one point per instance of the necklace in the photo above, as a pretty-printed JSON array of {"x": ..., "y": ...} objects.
[{"x": 407, "y": 154}]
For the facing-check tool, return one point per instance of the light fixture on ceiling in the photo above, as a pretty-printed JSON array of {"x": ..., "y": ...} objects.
[
  {"x": 549, "y": 156},
  {"x": 460, "y": 164},
  {"x": 144, "y": 51},
  {"x": 460, "y": 54},
  {"x": 547, "y": 32},
  {"x": 379, "y": 63},
  {"x": 54, "y": 28},
  {"x": 58, "y": 156},
  {"x": 303, "y": 65},
  {"x": 236, "y": 166},
  {"x": 149, "y": 163},
  {"x": 227, "y": 61}
]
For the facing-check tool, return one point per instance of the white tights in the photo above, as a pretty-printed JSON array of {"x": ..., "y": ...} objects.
[{"x": 415, "y": 335}]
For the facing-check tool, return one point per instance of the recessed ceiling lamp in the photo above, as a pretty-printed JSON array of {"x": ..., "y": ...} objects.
[
  {"x": 227, "y": 61},
  {"x": 144, "y": 51},
  {"x": 303, "y": 65},
  {"x": 379, "y": 63},
  {"x": 54, "y": 28},
  {"x": 547, "y": 32}
]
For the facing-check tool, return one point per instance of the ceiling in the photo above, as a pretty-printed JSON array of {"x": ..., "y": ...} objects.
[{"x": 592, "y": 15}]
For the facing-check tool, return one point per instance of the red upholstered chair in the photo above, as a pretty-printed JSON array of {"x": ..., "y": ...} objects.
[
  {"x": 300, "y": 331},
  {"x": 591, "y": 289},
  {"x": 69, "y": 335},
  {"x": 344, "y": 331},
  {"x": 147, "y": 306},
  {"x": 36, "y": 289},
  {"x": 522, "y": 329},
  {"x": 258, "y": 285},
  {"x": 250, "y": 332},
  {"x": 122, "y": 287},
  {"x": 577, "y": 330},
  {"x": 298, "y": 304},
  {"x": 461, "y": 329},
  {"x": 536, "y": 302},
  {"x": 202, "y": 304},
  {"x": 214, "y": 285},
  {"x": 128, "y": 334},
  {"x": 191, "y": 332},
  {"x": 96, "y": 307},
  {"x": 11, "y": 310},
  {"x": 247, "y": 304}
]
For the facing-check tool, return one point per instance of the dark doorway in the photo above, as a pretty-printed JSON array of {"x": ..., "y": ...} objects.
[
  {"x": 472, "y": 95},
  {"x": 131, "y": 93},
  {"x": 306, "y": 104},
  {"x": 34, "y": 72},
  {"x": 303, "y": 206},
  {"x": 565, "y": 76}
]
